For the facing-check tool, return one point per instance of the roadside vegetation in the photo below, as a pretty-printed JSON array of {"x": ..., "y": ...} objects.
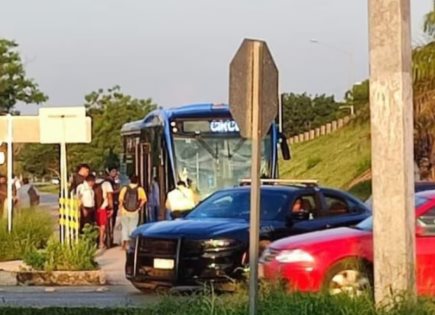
[
  {"x": 335, "y": 159},
  {"x": 271, "y": 303},
  {"x": 31, "y": 229},
  {"x": 56, "y": 256}
]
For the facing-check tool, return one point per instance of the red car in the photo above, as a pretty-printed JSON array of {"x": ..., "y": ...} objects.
[{"x": 341, "y": 260}]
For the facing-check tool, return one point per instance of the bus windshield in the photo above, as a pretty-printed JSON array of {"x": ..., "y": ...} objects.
[{"x": 216, "y": 161}]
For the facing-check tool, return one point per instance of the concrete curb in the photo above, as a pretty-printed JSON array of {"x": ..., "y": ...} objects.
[{"x": 54, "y": 278}]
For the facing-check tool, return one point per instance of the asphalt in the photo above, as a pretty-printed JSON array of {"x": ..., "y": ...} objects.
[{"x": 101, "y": 297}]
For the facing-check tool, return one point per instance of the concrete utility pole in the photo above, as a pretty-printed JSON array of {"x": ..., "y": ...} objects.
[{"x": 392, "y": 148}]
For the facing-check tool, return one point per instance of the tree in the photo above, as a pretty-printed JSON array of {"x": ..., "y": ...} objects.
[
  {"x": 14, "y": 85},
  {"x": 39, "y": 159},
  {"x": 429, "y": 22},
  {"x": 109, "y": 110},
  {"x": 302, "y": 112}
]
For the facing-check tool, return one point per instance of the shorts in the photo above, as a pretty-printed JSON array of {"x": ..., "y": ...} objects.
[{"x": 102, "y": 217}]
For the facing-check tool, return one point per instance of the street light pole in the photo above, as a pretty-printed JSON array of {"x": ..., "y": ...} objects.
[{"x": 342, "y": 51}]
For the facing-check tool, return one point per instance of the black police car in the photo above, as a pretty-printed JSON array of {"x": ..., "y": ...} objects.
[{"x": 211, "y": 243}]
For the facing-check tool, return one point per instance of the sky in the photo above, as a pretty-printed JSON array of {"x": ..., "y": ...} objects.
[{"x": 178, "y": 52}]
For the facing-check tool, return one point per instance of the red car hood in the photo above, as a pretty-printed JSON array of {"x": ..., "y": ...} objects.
[{"x": 314, "y": 239}]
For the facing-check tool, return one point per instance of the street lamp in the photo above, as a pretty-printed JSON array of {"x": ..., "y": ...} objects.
[{"x": 342, "y": 51}]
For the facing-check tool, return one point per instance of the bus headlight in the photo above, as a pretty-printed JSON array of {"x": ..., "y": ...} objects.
[{"x": 293, "y": 256}]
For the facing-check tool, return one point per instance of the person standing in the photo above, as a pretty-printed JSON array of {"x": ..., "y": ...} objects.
[
  {"x": 27, "y": 195},
  {"x": 112, "y": 178},
  {"x": 104, "y": 208},
  {"x": 82, "y": 172},
  {"x": 132, "y": 199},
  {"x": 3, "y": 196},
  {"x": 154, "y": 202},
  {"x": 180, "y": 201},
  {"x": 86, "y": 196}
]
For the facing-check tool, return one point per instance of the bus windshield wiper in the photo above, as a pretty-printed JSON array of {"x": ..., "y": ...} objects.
[
  {"x": 236, "y": 147},
  {"x": 206, "y": 146}
]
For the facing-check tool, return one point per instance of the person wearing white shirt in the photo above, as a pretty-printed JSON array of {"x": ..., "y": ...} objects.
[{"x": 86, "y": 196}]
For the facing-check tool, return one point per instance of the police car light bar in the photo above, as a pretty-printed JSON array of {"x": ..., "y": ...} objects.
[{"x": 307, "y": 182}]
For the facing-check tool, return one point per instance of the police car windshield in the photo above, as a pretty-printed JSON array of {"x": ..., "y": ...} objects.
[{"x": 236, "y": 205}]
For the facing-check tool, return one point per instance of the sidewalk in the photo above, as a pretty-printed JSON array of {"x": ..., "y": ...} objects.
[{"x": 111, "y": 262}]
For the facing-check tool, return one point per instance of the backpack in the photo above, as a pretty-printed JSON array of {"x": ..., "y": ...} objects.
[
  {"x": 98, "y": 195},
  {"x": 33, "y": 196},
  {"x": 131, "y": 199}
]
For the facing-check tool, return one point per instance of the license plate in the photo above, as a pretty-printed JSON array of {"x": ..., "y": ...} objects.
[
  {"x": 163, "y": 263},
  {"x": 260, "y": 271}
]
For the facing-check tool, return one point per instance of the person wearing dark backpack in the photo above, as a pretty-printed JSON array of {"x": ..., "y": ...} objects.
[{"x": 132, "y": 199}]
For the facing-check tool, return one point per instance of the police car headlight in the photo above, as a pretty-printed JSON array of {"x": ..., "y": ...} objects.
[
  {"x": 293, "y": 256},
  {"x": 215, "y": 244}
]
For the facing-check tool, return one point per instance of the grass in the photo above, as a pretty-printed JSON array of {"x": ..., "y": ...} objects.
[
  {"x": 335, "y": 159},
  {"x": 362, "y": 190},
  {"x": 271, "y": 303},
  {"x": 31, "y": 229}
]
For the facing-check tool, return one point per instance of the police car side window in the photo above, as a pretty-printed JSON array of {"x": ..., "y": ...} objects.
[{"x": 335, "y": 206}]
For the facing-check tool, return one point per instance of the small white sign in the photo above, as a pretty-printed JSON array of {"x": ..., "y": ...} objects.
[{"x": 167, "y": 264}]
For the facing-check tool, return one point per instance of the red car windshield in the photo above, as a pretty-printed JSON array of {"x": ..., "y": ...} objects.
[{"x": 367, "y": 224}]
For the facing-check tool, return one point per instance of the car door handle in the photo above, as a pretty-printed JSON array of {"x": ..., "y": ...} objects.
[{"x": 328, "y": 226}]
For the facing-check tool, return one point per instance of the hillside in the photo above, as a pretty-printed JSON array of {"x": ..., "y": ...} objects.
[{"x": 335, "y": 159}]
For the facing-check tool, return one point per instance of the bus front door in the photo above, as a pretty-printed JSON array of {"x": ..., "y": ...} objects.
[{"x": 143, "y": 168}]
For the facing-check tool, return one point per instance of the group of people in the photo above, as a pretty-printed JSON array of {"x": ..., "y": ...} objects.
[
  {"x": 104, "y": 202},
  {"x": 24, "y": 194}
]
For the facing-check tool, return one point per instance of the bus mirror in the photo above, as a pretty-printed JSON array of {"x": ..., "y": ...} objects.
[{"x": 285, "y": 149}]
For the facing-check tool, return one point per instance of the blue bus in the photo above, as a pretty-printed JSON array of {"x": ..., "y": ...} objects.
[{"x": 200, "y": 142}]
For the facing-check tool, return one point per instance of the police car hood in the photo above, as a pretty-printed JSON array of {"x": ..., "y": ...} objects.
[{"x": 195, "y": 229}]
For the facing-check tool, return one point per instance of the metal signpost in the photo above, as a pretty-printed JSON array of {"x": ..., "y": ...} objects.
[
  {"x": 254, "y": 104},
  {"x": 53, "y": 125},
  {"x": 392, "y": 148},
  {"x": 62, "y": 126}
]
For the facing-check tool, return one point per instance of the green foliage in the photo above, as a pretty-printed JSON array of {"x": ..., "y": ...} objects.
[
  {"x": 342, "y": 154},
  {"x": 57, "y": 256},
  {"x": 31, "y": 229},
  {"x": 429, "y": 23},
  {"x": 362, "y": 190},
  {"x": 302, "y": 112},
  {"x": 40, "y": 159},
  {"x": 274, "y": 303},
  {"x": 109, "y": 111},
  {"x": 14, "y": 86}
]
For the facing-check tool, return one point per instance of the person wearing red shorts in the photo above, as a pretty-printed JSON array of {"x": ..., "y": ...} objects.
[{"x": 104, "y": 205}]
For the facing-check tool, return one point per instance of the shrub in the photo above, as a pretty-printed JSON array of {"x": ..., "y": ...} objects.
[
  {"x": 57, "y": 256},
  {"x": 31, "y": 229}
]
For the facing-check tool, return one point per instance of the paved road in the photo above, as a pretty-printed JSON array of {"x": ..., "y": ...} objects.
[
  {"x": 49, "y": 200},
  {"x": 109, "y": 296}
]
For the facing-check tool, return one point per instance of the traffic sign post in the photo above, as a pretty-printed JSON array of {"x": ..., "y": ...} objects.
[
  {"x": 254, "y": 103},
  {"x": 53, "y": 125},
  {"x": 392, "y": 148}
]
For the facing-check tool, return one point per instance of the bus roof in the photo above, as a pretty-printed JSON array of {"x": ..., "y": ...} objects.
[{"x": 159, "y": 116}]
